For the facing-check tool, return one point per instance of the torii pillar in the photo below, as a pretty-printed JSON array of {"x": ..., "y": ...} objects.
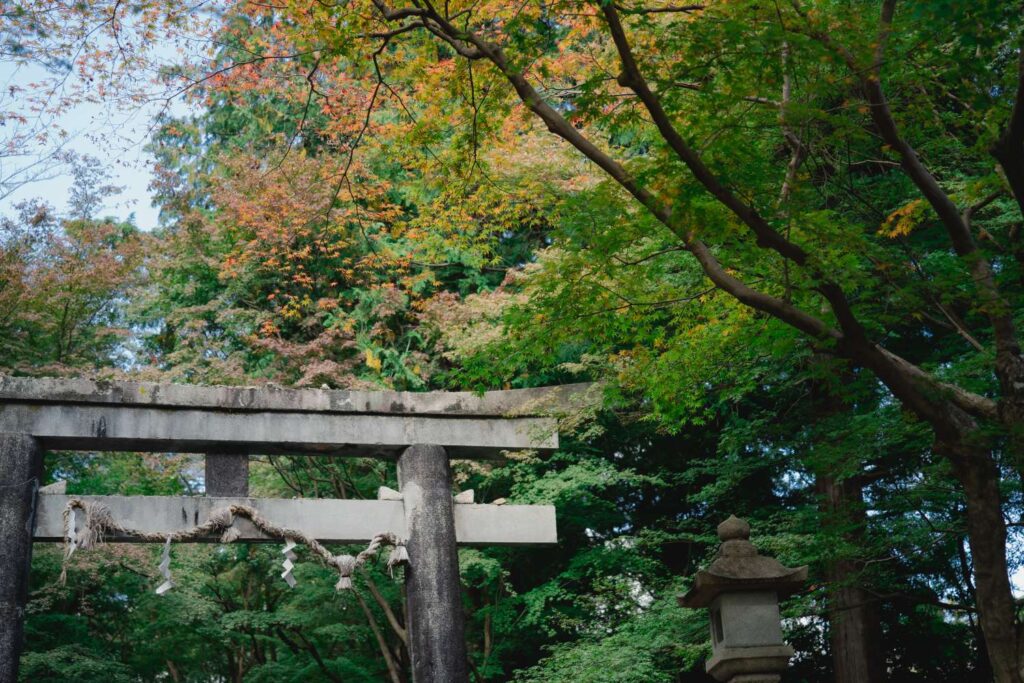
[
  {"x": 21, "y": 470},
  {"x": 437, "y": 642}
]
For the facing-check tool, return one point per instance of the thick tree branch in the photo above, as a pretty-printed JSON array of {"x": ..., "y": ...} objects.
[
  {"x": 918, "y": 389},
  {"x": 393, "y": 672},
  {"x": 1009, "y": 361},
  {"x": 388, "y": 612},
  {"x": 633, "y": 79},
  {"x": 557, "y": 124},
  {"x": 766, "y": 235},
  {"x": 1009, "y": 148},
  {"x": 666, "y": 9}
]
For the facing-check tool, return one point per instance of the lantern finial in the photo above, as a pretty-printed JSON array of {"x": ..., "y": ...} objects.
[{"x": 734, "y": 529}]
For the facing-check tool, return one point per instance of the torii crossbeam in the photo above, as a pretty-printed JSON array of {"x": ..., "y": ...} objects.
[{"x": 421, "y": 430}]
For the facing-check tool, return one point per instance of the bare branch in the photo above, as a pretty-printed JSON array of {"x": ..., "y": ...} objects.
[
  {"x": 668, "y": 250},
  {"x": 698, "y": 87},
  {"x": 381, "y": 642},
  {"x": 667, "y": 9}
]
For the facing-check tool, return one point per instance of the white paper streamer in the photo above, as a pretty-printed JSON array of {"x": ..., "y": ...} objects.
[
  {"x": 71, "y": 534},
  {"x": 165, "y": 569},
  {"x": 289, "y": 562},
  {"x": 398, "y": 555}
]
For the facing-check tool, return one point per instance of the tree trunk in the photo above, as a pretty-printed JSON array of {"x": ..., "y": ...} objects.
[
  {"x": 382, "y": 643},
  {"x": 961, "y": 439},
  {"x": 855, "y": 628},
  {"x": 986, "y": 534}
]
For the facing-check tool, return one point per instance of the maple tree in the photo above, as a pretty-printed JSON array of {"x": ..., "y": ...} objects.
[
  {"x": 61, "y": 281},
  {"x": 822, "y": 198},
  {"x": 735, "y": 222}
]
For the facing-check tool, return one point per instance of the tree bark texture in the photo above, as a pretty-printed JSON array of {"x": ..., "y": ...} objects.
[
  {"x": 986, "y": 533},
  {"x": 855, "y": 629}
]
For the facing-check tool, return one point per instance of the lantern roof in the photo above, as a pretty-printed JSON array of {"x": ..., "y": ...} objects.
[{"x": 739, "y": 567}]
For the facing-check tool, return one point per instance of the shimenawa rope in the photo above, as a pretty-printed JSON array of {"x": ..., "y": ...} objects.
[{"x": 97, "y": 522}]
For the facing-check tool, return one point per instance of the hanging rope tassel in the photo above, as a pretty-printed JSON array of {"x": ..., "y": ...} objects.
[
  {"x": 346, "y": 564},
  {"x": 289, "y": 562},
  {"x": 93, "y": 520},
  {"x": 231, "y": 534},
  {"x": 165, "y": 569},
  {"x": 398, "y": 555}
]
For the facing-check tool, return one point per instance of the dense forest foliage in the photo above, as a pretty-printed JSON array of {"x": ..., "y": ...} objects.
[{"x": 783, "y": 238}]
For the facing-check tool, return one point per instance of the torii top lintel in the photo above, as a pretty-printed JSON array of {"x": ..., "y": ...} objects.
[{"x": 102, "y": 415}]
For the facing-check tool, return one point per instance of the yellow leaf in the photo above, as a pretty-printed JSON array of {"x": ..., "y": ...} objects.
[{"x": 904, "y": 219}]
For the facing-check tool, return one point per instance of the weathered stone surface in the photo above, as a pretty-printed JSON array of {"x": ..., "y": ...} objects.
[
  {"x": 121, "y": 427},
  {"x": 329, "y": 520},
  {"x": 388, "y": 493},
  {"x": 742, "y": 589},
  {"x": 437, "y": 644},
  {"x": 749, "y": 664},
  {"x": 739, "y": 567},
  {"x": 543, "y": 401},
  {"x": 21, "y": 469},
  {"x": 230, "y": 423},
  {"x": 749, "y": 618},
  {"x": 227, "y": 474}
]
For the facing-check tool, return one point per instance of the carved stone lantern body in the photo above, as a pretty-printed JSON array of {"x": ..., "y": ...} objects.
[{"x": 742, "y": 589}]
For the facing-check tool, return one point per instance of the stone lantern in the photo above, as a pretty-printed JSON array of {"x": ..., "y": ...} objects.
[{"x": 742, "y": 590}]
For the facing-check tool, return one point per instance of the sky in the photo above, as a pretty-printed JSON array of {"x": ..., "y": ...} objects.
[
  {"x": 115, "y": 136},
  {"x": 129, "y": 166}
]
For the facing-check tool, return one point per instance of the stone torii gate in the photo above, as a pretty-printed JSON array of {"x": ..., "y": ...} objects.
[{"x": 421, "y": 430}]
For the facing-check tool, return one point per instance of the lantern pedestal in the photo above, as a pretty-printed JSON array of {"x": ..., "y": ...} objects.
[{"x": 749, "y": 664}]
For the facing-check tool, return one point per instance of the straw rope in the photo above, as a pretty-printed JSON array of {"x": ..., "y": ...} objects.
[{"x": 97, "y": 522}]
